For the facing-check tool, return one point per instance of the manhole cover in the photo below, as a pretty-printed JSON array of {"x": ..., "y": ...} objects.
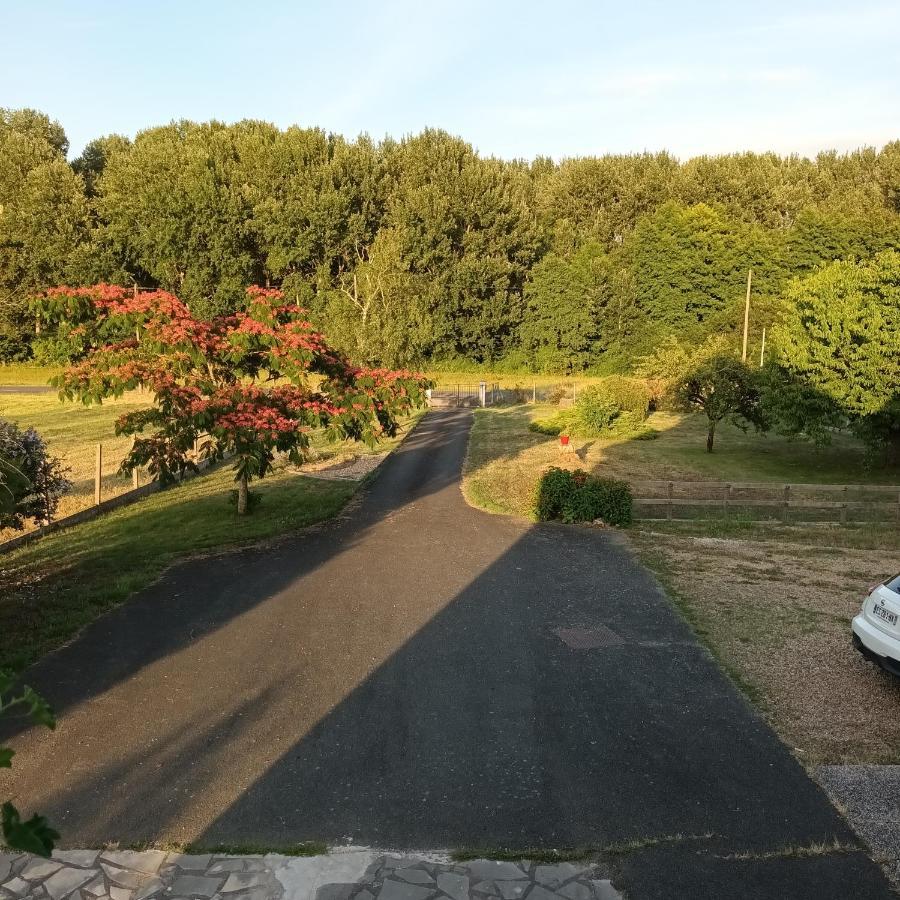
[{"x": 588, "y": 638}]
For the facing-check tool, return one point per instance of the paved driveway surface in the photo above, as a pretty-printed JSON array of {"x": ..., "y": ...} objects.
[{"x": 418, "y": 674}]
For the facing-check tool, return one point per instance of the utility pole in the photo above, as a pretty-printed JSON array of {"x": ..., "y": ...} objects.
[
  {"x": 747, "y": 314},
  {"x": 762, "y": 350}
]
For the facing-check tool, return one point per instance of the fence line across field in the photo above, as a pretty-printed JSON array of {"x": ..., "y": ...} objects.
[{"x": 659, "y": 500}]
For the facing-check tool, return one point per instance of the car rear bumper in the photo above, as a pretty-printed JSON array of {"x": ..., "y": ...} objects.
[{"x": 876, "y": 646}]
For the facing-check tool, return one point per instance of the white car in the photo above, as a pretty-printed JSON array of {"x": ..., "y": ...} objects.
[{"x": 876, "y": 630}]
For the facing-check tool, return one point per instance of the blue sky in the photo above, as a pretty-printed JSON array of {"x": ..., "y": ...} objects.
[{"x": 517, "y": 79}]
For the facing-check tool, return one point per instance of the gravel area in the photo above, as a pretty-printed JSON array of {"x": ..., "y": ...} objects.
[
  {"x": 778, "y": 615},
  {"x": 353, "y": 469},
  {"x": 869, "y": 796}
]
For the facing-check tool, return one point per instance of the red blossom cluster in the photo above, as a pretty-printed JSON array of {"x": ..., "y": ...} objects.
[{"x": 243, "y": 379}]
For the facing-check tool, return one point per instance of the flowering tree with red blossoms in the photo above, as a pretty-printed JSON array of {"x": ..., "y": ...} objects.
[{"x": 248, "y": 385}]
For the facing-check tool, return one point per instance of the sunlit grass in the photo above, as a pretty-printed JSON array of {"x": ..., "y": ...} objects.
[
  {"x": 24, "y": 374},
  {"x": 72, "y": 432},
  {"x": 506, "y": 459}
]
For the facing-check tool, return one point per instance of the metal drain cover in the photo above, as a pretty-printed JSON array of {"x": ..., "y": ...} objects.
[{"x": 588, "y": 638}]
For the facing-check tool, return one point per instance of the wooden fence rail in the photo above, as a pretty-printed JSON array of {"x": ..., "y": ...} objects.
[{"x": 794, "y": 503}]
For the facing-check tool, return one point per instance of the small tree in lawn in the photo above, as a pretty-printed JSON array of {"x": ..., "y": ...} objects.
[
  {"x": 724, "y": 388},
  {"x": 248, "y": 385}
]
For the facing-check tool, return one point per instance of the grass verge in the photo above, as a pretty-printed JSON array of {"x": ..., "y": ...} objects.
[
  {"x": 505, "y": 459},
  {"x": 52, "y": 588}
]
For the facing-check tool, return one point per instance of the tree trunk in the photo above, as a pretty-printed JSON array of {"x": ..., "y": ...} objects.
[
  {"x": 243, "y": 496},
  {"x": 710, "y": 435}
]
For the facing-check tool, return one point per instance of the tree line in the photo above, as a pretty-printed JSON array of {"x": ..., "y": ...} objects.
[{"x": 421, "y": 251}]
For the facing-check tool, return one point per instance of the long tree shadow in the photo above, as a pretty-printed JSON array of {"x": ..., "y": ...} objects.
[
  {"x": 554, "y": 700},
  {"x": 202, "y": 594},
  {"x": 421, "y": 675}
]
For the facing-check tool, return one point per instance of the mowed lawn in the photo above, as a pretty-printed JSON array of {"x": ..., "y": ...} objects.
[
  {"x": 51, "y": 588},
  {"x": 72, "y": 432},
  {"x": 506, "y": 459},
  {"x": 772, "y": 602}
]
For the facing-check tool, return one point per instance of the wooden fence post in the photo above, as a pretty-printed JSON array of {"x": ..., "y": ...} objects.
[
  {"x": 669, "y": 492},
  {"x": 135, "y": 477},
  {"x": 98, "y": 474},
  {"x": 725, "y": 499},
  {"x": 844, "y": 507},
  {"x": 787, "y": 499}
]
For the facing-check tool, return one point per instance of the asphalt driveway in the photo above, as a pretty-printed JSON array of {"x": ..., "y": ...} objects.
[{"x": 418, "y": 674}]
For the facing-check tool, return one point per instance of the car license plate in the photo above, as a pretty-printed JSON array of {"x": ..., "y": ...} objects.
[{"x": 884, "y": 614}]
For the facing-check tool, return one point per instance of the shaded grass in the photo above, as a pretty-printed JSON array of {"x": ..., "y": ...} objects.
[{"x": 52, "y": 588}]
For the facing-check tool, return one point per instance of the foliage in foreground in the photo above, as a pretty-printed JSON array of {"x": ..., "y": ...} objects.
[
  {"x": 246, "y": 385},
  {"x": 578, "y": 497},
  {"x": 32, "y": 482},
  {"x": 32, "y": 835}
]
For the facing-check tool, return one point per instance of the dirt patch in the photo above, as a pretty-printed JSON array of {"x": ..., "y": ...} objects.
[{"x": 778, "y": 617}]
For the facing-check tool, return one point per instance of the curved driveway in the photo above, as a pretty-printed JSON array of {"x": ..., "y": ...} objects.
[{"x": 419, "y": 674}]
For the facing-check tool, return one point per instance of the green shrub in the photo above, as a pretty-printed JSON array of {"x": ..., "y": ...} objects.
[
  {"x": 555, "y": 491},
  {"x": 13, "y": 348},
  {"x": 551, "y": 427},
  {"x": 594, "y": 411},
  {"x": 579, "y": 497},
  {"x": 630, "y": 395},
  {"x": 52, "y": 350}
]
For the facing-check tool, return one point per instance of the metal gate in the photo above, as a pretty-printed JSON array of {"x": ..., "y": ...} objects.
[{"x": 460, "y": 394}]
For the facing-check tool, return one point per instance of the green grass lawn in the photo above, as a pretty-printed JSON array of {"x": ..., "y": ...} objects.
[
  {"x": 505, "y": 459},
  {"x": 53, "y": 587},
  {"x": 72, "y": 432},
  {"x": 24, "y": 374}
]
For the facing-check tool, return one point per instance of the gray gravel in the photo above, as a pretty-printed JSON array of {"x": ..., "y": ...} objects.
[{"x": 870, "y": 798}]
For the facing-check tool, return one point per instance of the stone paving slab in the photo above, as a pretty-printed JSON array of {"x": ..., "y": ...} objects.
[{"x": 349, "y": 874}]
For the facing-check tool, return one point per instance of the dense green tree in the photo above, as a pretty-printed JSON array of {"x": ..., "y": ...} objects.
[
  {"x": 602, "y": 198},
  {"x": 377, "y": 312},
  {"x": 758, "y": 188},
  {"x": 842, "y": 339},
  {"x": 175, "y": 205},
  {"x": 43, "y": 220},
  {"x": 562, "y": 310},
  {"x": 317, "y": 204},
  {"x": 422, "y": 250},
  {"x": 688, "y": 264},
  {"x": 466, "y": 229},
  {"x": 92, "y": 161}
]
